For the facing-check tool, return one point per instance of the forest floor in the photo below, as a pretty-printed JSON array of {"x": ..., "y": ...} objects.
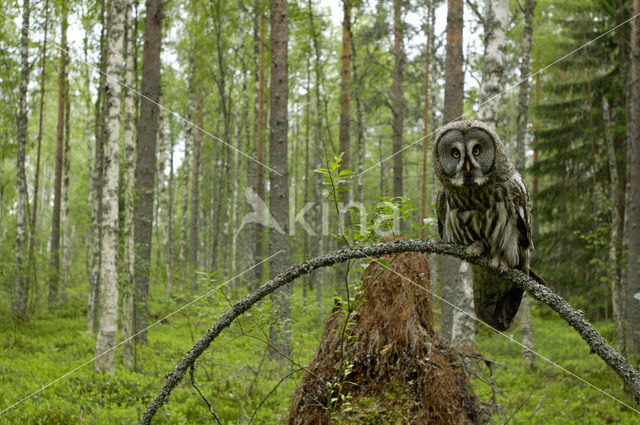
[{"x": 241, "y": 382}]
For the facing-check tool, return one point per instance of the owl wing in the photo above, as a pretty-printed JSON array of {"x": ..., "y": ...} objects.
[
  {"x": 441, "y": 211},
  {"x": 523, "y": 207}
]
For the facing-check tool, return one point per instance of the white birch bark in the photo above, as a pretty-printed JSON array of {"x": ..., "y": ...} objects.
[
  {"x": 107, "y": 331},
  {"x": 496, "y": 20},
  {"x": 128, "y": 324},
  {"x": 19, "y": 303},
  {"x": 463, "y": 328}
]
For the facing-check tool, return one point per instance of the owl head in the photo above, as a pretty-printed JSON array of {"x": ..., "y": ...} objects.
[{"x": 469, "y": 154}]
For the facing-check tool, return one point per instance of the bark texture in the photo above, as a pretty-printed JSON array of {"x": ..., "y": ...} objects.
[
  {"x": 146, "y": 138},
  {"x": 397, "y": 96},
  {"x": 128, "y": 323},
  {"x": 195, "y": 199},
  {"x": 632, "y": 232},
  {"x": 20, "y": 286},
  {"x": 108, "y": 327},
  {"x": 166, "y": 156},
  {"x": 318, "y": 247},
  {"x": 524, "y": 314},
  {"x": 280, "y": 336},
  {"x": 575, "y": 318},
  {"x": 96, "y": 189},
  {"x": 54, "y": 246},
  {"x": 65, "y": 223},
  {"x": 456, "y": 279},
  {"x": 345, "y": 84},
  {"x": 36, "y": 184},
  {"x": 425, "y": 122},
  {"x": 496, "y": 20},
  {"x": 260, "y": 172},
  {"x": 614, "y": 235},
  {"x": 182, "y": 256}
]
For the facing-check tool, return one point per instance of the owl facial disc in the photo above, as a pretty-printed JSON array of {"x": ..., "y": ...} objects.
[{"x": 466, "y": 156}]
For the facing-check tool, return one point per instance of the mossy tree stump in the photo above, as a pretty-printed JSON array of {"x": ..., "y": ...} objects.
[{"x": 386, "y": 365}]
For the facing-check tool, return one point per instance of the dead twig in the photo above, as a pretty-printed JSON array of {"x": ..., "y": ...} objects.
[
  {"x": 207, "y": 402},
  {"x": 271, "y": 392}
]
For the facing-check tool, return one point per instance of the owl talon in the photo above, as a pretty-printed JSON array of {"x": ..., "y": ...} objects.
[
  {"x": 475, "y": 249},
  {"x": 498, "y": 264}
]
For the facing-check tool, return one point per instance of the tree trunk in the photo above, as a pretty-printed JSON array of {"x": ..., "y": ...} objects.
[
  {"x": 307, "y": 134},
  {"x": 96, "y": 186},
  {"x": 459, "y": 328},
  {"x": 318, "y": 247},
  {"x": 345, "y": 85},
  {"x": 128, "y": 272},
  {"x": 195, "y": 201},
  {"x": 65, "y": 222},
  {"x": 425, "y": 122},
  {"x": 20, "y": 288},
  {"x": 344, "y": 139},
  {"x": 146, "y": 161},
  {"x": 36, "y": 184},
  {"x": 524, "y": 314},
  {"x": 260, "y": 172},
  {"x": 280, "y": 331},
  {"x": 614, "y": 235},
  {"x": 434, "y": 261},
  {"x": 632, "y": 232},
  {"x": 496, "y": 21},
  {"x": 54, "y": 246},
  {"x": 397, "y": 96},
  {"x": 360, "y": 127},
  {"x": 182, "y": 256},
  {"x": 165, "y": 206},
  {"x": 108, "y": 329}
]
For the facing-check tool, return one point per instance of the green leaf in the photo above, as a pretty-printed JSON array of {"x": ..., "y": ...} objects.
[{"x": 637, "y": 296}]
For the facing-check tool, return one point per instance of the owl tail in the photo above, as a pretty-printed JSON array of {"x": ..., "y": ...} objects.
[{"x": 496, "y": 300}]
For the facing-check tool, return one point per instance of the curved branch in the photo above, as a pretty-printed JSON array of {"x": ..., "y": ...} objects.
[{"x": 540, "y": 292}]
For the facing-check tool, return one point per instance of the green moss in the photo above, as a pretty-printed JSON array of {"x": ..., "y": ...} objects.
[{"x": 386, "y": 408}]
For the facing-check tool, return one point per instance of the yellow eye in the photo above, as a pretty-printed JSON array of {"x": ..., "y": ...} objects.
[
  {"x": 476, "y": 151},
  {"x": 455, "y": 153}
]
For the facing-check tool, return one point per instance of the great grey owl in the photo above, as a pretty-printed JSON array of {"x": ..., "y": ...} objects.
[{"x": 484, "y": 205}]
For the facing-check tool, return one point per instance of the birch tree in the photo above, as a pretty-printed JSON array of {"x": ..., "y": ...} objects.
[
  {"x": 36, "y": 184},
  {"x": 108, "y": 328},
  {"x": 20, "y": 287},
  {"x": 128, "y": 323},
  {"x": 495, "y": 22}
]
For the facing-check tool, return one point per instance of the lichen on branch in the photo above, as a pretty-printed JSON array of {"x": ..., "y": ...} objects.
[{"x": 575, "y": 318}]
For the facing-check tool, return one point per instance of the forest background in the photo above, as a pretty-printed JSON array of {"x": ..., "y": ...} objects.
[{"x": 140, "y": 144}]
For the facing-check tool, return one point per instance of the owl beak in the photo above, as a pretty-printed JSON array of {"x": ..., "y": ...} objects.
[{"x": 467, "y": 165}]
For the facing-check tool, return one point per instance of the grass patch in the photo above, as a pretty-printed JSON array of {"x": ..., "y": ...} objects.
[{"x": 236, "y": 374}]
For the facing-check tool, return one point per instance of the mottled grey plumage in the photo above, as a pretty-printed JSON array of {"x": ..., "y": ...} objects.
[{"x": 484, "y": 204}]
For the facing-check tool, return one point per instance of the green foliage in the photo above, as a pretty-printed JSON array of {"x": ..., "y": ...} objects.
[
  {"x": 573, "y": 205},
  {"x": 236, "y": 375}
]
